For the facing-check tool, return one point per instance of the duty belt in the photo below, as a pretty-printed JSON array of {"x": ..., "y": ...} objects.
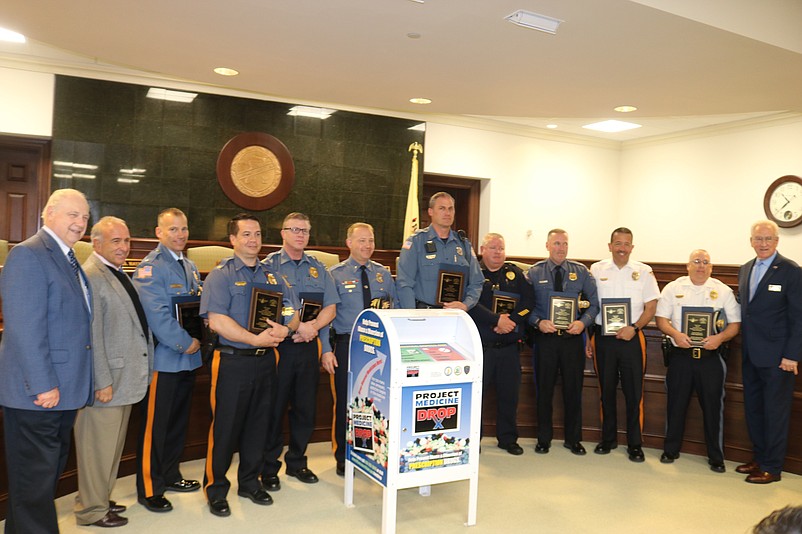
[
  {"x": 695, "y": 352},
  {"x": 234, "y": 351},
  {"x": 419, "y": 304}
]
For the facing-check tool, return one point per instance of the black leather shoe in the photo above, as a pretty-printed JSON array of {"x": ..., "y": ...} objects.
[
  {"x": 219, "y": 507},
  {"x": 116, "y": 508},
  {"x": 304, "y": 474},
  {"x": 184, "y": 486},
  {"x": 542, "y": 448},
  {"x": 157, "y": 503},
  {"x": 575, "y": 448},
  {"x": 340, "y": 469},
  {"x": 271, "y": 483},
  {"x": 512, "y": 448},
  {"x": 635, "y": 454},
  {"x": 259, "y": 496},
  {"x": 667, "y": 458},
  {"x": 111, "y": 520},
  {"x": 605, "y": 447},
  {"x": 717, "y": 467}
]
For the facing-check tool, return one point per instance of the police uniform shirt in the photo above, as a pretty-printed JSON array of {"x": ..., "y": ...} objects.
[
  {"x": 347, "y": 277},
  {"x": 507, "y": 279},
  {"x": 576, "y": 279},
  {"x": 158, "y": 278},
  {"x": 635, "y": 281},
  {"x": 227, "y": 291},
  {"x": 418, "y": 267},
  {"x": 308, "y": 275},
  {"x": 682, "y": 292}
]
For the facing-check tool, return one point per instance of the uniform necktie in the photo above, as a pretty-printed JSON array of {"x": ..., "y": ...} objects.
[
  {"x": 365, "y": 287},
  {"x": 183, "y": 270},
  {"x": 558, "y": 278}
]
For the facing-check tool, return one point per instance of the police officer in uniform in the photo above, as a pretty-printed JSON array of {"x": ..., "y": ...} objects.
[
  {"x": 299, "y": 363},
  {"x": 560, "y": 349},
  {"x": 696, "y": 365},
  {"x": 243, "y": 365},
  {"x": 165, "y": 273},
  {"x": 431, "y": 250},
  {"x": 361, "y": 283},
  {"x": 501, "y": 315},
  {"x": 623, "y": 353}
]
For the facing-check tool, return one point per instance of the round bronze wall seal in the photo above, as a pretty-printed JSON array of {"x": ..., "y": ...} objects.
[{"x": 255, "y": 171}]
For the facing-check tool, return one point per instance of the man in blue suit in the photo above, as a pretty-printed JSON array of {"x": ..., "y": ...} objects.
[
  {"x": 45, "y": 359},
  {"x": 770, "y": 288}
]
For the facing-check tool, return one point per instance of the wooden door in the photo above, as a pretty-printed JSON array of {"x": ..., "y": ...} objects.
[
  {"x": 24, "y": 185},
  {"x": 466, "y": 193}
]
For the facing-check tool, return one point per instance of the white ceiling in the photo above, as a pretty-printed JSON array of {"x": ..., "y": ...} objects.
[{"x": 685, "y": 64}]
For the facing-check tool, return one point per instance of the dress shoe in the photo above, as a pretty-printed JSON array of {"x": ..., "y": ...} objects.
[
  {"x": 748, "y": 469},
  {"x": 219, "y": 507},
  {"x": 116, "y": 508},
  {"x": 512, "y": 448},
  {"x": 668, "y": 458},
  {"x": 575, "y": 448},
  {"x": 184, "y": 486},
  {"x": 111, "y": 520},
  {"x": 542, "y": 448},
  {"x": 762, "y": 477},
  {"x": 303, "y": 474},
  {"x": 340, "y": 469},
  {"x": 259, "y": 496},
  {"x": 635, "y": 454},
  {"x": 717, "y": 467},
  {"x": 157, "y": 503},
  {"x": 271, "y": 483},
  {"x": 605, "y": 447}
]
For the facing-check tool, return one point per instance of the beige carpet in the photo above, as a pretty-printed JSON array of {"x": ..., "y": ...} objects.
[{"x": 553, "y": 493}]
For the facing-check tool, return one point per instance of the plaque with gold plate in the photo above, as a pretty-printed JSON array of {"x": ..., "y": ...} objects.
[
  {"x": 266, "y": 303},
  {"x": 697, "y": 323},
  {"x": 451, "y": 282},
  {"x": 615, "y": 315},
  {"x": 562, "y": 310},
  {"x": 311, "y": 304},
  {"x": 185, "y": 310},
  {"x": 504, "y": 302}
]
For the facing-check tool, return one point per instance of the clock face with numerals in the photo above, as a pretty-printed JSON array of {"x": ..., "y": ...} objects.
[{"x": 783, "y": 201}]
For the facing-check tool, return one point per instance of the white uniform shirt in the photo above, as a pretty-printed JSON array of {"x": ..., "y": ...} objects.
[
  {"x": 634, "y": 280},
  {"x": 682, "y": 292}
]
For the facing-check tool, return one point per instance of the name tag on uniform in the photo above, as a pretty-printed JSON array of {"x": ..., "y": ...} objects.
[{"x": 775, "y": 287}]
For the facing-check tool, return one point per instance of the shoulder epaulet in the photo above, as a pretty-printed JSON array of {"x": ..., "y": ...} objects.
[
  {"x": 224, "y": 261},
  {"x": 379, "y": 265},
  {"x": 337, "y": 265}
]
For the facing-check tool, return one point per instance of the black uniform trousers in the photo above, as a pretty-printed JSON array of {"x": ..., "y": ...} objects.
[
  {"x": 241, "y": 398},
  {"x": 298, "y": 376},
  {"x": 705, "y": 375},
  {"x": 340, "y": 394},
  {"x": 37, "y": 446},
  {"x": 502, "y": 370},
  {"x": 165, "y": 417},
  {"x": 768, "y": 394},
  {"x": 563, "y": 354},
  {"x": 625, "y": 360}
]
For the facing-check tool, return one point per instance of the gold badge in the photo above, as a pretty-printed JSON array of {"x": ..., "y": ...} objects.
[
  {"x": 510, "y": 275},
  {"x": 271, "y": 279},
  {"x": 287, "y": 311},
  {"x": 459, "y": 251},
  {"x": 313, "y": 272},
  {"x": 379, "y": 278},
  {"x": 572, "y": 277},
  {"x": 635, "y": 275},
  {"x": 713, "y": 294},
  {"x": 240, "y": 284},
  {"x": 603, "y": 279}
]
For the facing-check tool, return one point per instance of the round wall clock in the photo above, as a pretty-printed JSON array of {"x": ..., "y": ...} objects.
[
  {"x": 255, "y": 171},
  {"x": 783, "y": 201}
]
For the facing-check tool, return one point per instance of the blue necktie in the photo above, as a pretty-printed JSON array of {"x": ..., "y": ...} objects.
[
  {"x": 76, "y": 269},
  {"x": 757, "y": 275}
]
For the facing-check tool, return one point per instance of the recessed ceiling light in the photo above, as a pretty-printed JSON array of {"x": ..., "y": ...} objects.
[
  {"x": 420, "y": 100},
  {"x": 413, "y": 35},
  {"x": 312, "y": 112},
  {"x": 551, "y": 126},
  {"x": 533, "y": 21},
  {"x": 11, "y": 37},
  {"x": 625, "y": 109},
  {"x": 612, "y": 126},
  {"x": 173, "y": 96},
  {"x": 225, "y": 71}
]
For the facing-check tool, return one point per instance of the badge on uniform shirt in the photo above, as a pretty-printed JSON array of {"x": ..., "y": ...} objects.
[
  {"x": 313, "y": 272},
  {"x": 603, "y": 279},
  {"x": 240, "y": 284},
  {"x": 459, "y": 251},
  {"x": 380, "y": 278},
  {"x": 635, "y": 275},
  {"x": 572, "y": 277},
  {"x": 271, "y": 279},
  {"x": 713, "y": 294},
  {"x": 510, "y": 276},
  {"x": 678, "y": 296},
  {"x": 144, "y": 272}
]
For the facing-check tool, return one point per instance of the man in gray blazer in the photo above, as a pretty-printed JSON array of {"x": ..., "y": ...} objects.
[
  {"x": 123, "y": 361},
  {"x": 45, "y": 359}
]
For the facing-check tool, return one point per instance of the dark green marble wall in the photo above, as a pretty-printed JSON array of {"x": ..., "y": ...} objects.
[{"x": 350, "y": 167}]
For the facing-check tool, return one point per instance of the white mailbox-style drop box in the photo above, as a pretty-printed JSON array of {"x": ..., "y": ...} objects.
[{"x": 414, "y": 403}]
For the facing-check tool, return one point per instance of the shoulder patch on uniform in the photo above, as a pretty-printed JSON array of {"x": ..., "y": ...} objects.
[
  {"x": 144, "y": 272},
  {"x": 407, "y": 244}
]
